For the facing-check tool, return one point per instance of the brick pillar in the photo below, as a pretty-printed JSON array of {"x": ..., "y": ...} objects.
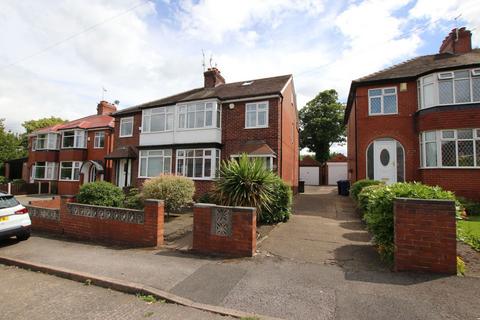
[
  {"x": 154, "y": 221},
  {"x": 425, "y": 235}
]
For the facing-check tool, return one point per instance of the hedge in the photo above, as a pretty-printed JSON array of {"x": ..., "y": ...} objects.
[{"x": 360, "y": 184}]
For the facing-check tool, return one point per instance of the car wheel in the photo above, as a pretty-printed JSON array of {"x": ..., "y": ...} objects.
[{"x": 23, "y": 236}]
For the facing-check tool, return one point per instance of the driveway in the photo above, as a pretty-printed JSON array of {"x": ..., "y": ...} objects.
[{"x": 324, "y": 229}]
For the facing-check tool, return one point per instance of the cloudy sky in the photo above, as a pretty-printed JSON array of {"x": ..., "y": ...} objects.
[{"x": 55, "y": 56}]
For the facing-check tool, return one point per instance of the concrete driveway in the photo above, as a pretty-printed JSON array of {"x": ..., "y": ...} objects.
[{"x": 324, "y": 229}]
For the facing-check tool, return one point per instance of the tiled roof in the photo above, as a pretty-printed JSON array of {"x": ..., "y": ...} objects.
[
  {"x": 255, "y": 147},
  {"x": 338, "y": 158},
  {"x": 309, "y": 161},
  {"x": 234, "y": 90},
  {"x": 89, "y": 122},
  {"x": 124, "y": 152}
]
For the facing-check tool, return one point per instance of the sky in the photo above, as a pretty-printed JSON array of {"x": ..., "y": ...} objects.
[{"x": 57, "y": 56}]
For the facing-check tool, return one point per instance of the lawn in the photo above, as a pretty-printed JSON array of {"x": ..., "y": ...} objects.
[{"x": 469, "y": 231}]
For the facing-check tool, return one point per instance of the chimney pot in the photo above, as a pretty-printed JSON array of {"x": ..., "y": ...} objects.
[
  {"x": 213, "y": 78},
  {"x": 105, "y": 108}
]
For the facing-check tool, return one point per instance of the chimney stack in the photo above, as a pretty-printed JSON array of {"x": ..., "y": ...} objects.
[
  {"x": 105, "y": 108},
  {"x": 457, "y": 41},
  {"x": 213, "y": 78}
]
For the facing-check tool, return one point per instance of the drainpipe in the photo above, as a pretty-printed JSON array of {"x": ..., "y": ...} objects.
[
  {"x": 281, "y": 136},
  {"x": 356, "y": 138}
]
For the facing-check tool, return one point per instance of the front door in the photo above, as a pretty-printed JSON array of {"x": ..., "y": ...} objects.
[
  {"x": 123, "y": 173},
  {"x": 385, "y": 158}
]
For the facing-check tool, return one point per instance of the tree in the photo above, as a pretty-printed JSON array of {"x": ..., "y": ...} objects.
[
  {"x": 321, "y": 122},
  {"x": 10, "y": 145},
  {"x": 32, "y": 125}
]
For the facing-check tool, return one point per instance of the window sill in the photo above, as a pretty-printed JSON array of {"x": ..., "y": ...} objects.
[
  {"x": 460, "y": 168},
  {"x": 126, "y": 136},
  {"x": 262, "y": 127},
  {"x": 98, "y": 147},
  {"x": 382, "y": 114},
  {"x": 68, "y": 180}
]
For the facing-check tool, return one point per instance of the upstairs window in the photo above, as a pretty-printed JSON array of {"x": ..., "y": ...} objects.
[
  {"x": 382, "y": 101},
  {"x": 47, "y": 141},
  {"x": 99, "y": 141},
  {"x": 158, "y": 119},
  {"x": 45, "y": 171},
  {"x": 198, "y": 115},
  {"x": 256, "y": 115},
  {"x": 126, "y": 127},
  {"x": 74, "y": 139}
]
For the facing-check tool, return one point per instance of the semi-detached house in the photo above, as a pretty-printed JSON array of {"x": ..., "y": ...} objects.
[
  {"x": 420, "y": 120},
  {"x": 189, "y": 133}
]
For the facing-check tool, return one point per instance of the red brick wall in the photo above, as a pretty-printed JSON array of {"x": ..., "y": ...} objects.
[
  {"x": 46, "y": 225},
  {"x": 53, "y": 203},
  {"x": 241, "y": 242},
  {"x": 425, "y": 236},
  {"x": 68, "y": 187},
  {"x": 351, "y": 145},
  {"x": 464, "y": 182},
  {"x": 439, "y": 118}
]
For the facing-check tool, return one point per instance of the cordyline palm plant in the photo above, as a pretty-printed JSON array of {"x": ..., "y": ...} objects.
[{"x": 245, "y": 183}]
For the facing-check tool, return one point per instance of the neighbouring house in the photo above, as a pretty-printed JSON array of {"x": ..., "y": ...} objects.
[
  {"x": 189, "y": 133},
  {"x": 73, "y": 153},
  {"x": 16, "y": 169},
  {"x": 420, "y": 120}
]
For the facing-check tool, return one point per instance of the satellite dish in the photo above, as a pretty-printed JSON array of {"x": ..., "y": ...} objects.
[{"x": 117, "y": 102}]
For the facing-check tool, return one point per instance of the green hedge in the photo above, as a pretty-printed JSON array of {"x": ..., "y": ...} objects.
[
  {"x": 357, "y": 187},
  {"x": 281, "y": 206},
  {"x": 379, "y": 212},
  {"x": 176, "y": 191},
  {"x": 100, "y": 193}
]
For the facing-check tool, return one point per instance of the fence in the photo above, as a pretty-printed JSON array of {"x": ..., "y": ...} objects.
[{"x": 28, "y": 188}]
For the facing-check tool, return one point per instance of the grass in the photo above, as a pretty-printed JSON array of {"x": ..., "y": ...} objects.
[
  {"x": 468, "y": 231},
  {"x": 148, "y": 298}
]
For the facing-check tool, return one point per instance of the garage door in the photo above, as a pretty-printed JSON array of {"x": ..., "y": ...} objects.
[
  {"x": 310, "y": 175},
  {"x": 336, "y": 171}
]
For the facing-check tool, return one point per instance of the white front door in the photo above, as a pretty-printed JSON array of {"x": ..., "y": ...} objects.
[
  {"x": 385, "y": 161},
  {"x": 123, "y": 173}
]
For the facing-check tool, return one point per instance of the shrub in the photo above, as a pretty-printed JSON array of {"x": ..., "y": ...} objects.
[
  {"x": 3, "y": 180},
  {"x": 245, "y": 183},
  {"x": 18, "y": 181},
  {"x": 176, "y": 191},
  {"x": 379, "y": 214},
  {"x": 100, "y": 193},
  {"x": 133, "y": 199},
  {"x": 282, "y": 203},
  {"x": 357, "y": 187},
  {"x": 471, "y": 207},
  {"x": 207, "y": 197},
  {"x": 364, "y": 196}
]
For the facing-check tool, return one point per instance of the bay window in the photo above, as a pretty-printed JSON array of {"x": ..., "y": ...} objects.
[
  {"x": 198, "y": 163},
  {"x": 382, "y": 101},
  {"x": 158, "y": 119},
  {"x": 453, "y": 148},
  {"x": 154, "y": 163},
  {"x": 45, "y": 170},
  {"x": 47, "y": 141},
  {"x": 449, "y": 87},
  {"x": 70, "y": 170},
  {"x": 74, "y": 139},
  {"x": 198, "y": 115}
]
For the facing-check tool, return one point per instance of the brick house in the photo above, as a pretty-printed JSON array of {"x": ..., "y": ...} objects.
[
  {"x": 191, "y": 132},
  {"x": 420, "y": 120},
  {"x": 73, "y": 153}
]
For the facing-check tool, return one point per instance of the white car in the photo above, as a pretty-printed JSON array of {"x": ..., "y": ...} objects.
[{"x": 14, "y": 218}]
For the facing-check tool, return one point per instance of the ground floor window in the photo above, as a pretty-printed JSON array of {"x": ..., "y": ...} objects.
[
  {"x": 457, "y": 148},
  {"x": 198, "y": 163},
  {"x": 155, "y": 162},
  {"x": 45, "y": 170},
  {"x": 386, "y": 161},
  {"x": 70, "y": 170},
  {"x": 266, "y": 160}
]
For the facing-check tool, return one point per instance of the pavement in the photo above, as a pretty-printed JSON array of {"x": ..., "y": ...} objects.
[
  {"x": 319, "y": 265},
  {"x": 33, "y": 295}
]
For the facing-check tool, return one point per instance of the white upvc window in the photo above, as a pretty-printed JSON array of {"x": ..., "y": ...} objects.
[
  {"x": 45, "y": 171},
  {"x": 198, "y": 115},
  {"x": 198, "y": 163},
  {"x": 126, "y": 127},
  {"x": 158, "y": 119},
  {"x": 449, "y": 87},
  {"x": 382, "y": 101},
  {"x": 99, "y": 140},
  {"x": 155, "y": 162},
  {"x": 267, "y": 160},
  {"x": 46, "y": 141},
  {"x": 452, "y": 148},
  {"x": 70, "y": 170},
  {"x": 256, "y": 115},
  {"x": 74, "y": 139}
]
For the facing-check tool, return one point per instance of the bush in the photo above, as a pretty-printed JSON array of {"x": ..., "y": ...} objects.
[
  {"x": 379, "y": 214},
  {"x": 100, "y": 193},
  {"x": 357, "y": 187},
  {"x": 133, "y": 199},
  {"x": 18, "y": 181},
  {"x": 245, "y": 183},
  {"x": 471, "y": 207},
  {"x": 282, "y": 203},
  {"x": 176, "y": 191},
  {"x": 207, "y": 197},
  {"x": 3, "y": 180},
  {"x": 364, "y": 196}
]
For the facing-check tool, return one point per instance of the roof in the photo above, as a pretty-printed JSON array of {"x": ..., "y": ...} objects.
[
  {"x": 309, "y": 161},
  {"x": 338, "y": 158},
  {"x": 234, "y": 90},
  {"x": 414, "y": 68},
  {"x": 89, "y": 122},
  {"x": 124, "y": 152},
  {"x": 255, "y": 147}
]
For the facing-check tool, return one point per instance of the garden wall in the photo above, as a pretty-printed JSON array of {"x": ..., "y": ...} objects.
[
  {"x": 230, "y": 231},
  {"x": 102, "y": 224},
  {"x": 425, "y": 235}
]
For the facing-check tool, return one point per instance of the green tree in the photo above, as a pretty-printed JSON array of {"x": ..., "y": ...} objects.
[
  {"x": 10, "y": 146},
  {"x": 32, "y": 125},
  {"x": 321, "y": 122}
]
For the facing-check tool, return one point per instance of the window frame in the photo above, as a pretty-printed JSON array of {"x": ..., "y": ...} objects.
[
  {"x": 50, "y": 138},
  {"x": 254, "y": 156},
  {"x": 382, "y": 103},
  {"x": 77, "y": 133},
  {"x": 214, "y": 157},
  {"x": 182, "y": 125},
  {"x": 75, "y": 165},
  {"x": 147, "y": 116},
  {"x": 148, "y": 156},
  {"x": 53, "y": 170},
  {"x": 122, "y": 122},
  {"x": 256, "y": 104},
  {"x": 97, "y": 138}
]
